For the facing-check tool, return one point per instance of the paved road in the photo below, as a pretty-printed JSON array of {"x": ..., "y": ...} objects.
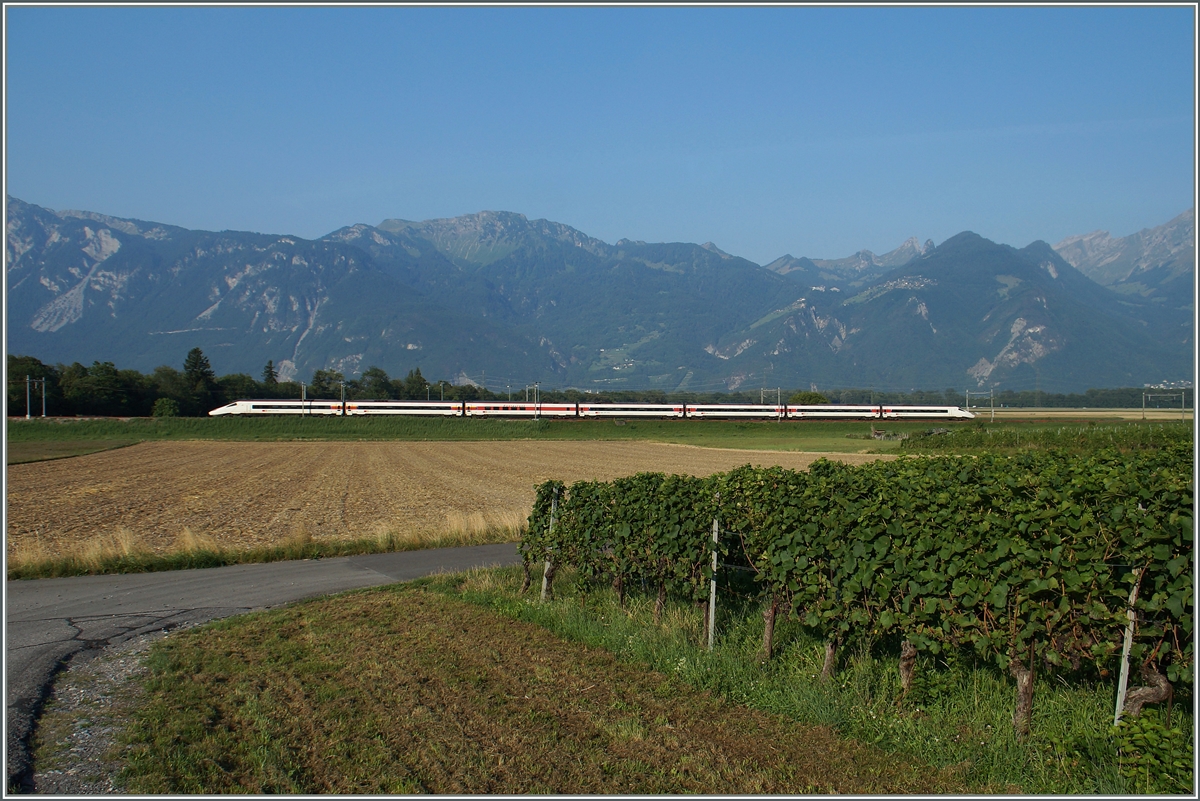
[{"x": 51, "y": 621}]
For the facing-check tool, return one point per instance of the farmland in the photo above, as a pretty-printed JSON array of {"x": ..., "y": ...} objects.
[
  {"x": 220, "y": 491},
  {"x": 245, "y": 495},
  {"x": 239, "y": 493}
]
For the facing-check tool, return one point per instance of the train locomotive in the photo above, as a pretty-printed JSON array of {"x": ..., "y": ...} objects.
[{"x": 585, "y": 410}]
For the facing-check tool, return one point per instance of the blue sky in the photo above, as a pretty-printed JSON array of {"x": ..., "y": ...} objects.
[{"x": 803, "y": 130}]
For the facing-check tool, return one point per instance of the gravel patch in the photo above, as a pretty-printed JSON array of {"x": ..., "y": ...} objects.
[{"x": 76, "y": 748}]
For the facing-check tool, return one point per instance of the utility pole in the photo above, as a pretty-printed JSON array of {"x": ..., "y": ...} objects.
[
  {"x": 991, "y": 393},
  {"x": 303, "y": 397},
  {"x": 1171, "y": 395},
  {"x": 27, "y": 415}
]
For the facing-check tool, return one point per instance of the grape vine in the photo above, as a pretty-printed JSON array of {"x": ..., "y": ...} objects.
[{"x": 1028, "y": 560}]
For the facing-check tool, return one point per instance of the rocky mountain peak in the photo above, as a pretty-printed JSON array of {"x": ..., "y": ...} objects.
[
  {"x": 1140, "y": 262},
  {"x": 711, "y": 247}
]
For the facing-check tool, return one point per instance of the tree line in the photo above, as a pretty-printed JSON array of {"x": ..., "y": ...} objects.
[{"x": 104, "y": 390}]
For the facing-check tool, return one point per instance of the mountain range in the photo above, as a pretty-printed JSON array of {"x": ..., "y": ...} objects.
[{"x": 499, "y": 299}]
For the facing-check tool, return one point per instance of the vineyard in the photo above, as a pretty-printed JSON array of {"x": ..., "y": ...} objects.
[{"x": 1045, "y": 564}]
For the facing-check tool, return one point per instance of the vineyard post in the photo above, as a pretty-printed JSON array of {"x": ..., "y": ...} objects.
[
  {"x": 712, "y": 585},
  {"x": 548, "y": 572},
  {"x": 1123, "y": 681},
  {"x": 27, "y": 397}
]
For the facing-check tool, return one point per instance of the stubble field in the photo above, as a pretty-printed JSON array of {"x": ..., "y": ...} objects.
[{"x": 250, "y": 495}]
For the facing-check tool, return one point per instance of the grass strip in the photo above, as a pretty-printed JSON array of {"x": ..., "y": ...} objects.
[
  {"x": 401, "y": 690},
  {"x": 1009, "y": 438},
  {"x": 824, "y": 436},
  {"x": 47, "y": 450},
  {"x": 838, "y": 436},
  {"x": 958, "y": 716},
  {"x": 199, "y": 553}
]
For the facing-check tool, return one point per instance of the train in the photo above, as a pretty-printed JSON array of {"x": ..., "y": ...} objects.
[{"x": 585, "y": 410}]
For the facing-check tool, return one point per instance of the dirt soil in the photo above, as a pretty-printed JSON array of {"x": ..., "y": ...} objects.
[{"x": 248, "y": 494}]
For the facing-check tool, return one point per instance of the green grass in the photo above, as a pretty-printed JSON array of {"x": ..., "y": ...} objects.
[
  {"x": 839, "y": 436},
  {"x": 958, "y": 714},
  {"x": 404, "y": 690},
  {"x": 44, "y": 450},
  {"x": 1012, "y": 436},
  {"x": 835, "y": 436}
]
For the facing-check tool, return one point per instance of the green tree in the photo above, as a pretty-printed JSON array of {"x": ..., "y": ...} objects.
[
  {"x": 326, "y": 384},
  {"x": 236, "y": 386},
  {"x": 197, "y": 369},
  {"x": 807, "y": 399},
  {"x": 166, "y": 407},
  {"x": 138, "y": 392},
  {"x": 95, "y": 390},
  {"x": 375, "y": 384},
  {"x": 414, "y": 385},
  {"x": 270, "y": 377},
  {"x": 170, "y": 383},
  {"x": 464, "y": 392},
  {"x": 201, "y": 382},
  {"x": 21, "y": 366}
]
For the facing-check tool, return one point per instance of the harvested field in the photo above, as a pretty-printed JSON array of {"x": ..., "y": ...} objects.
[{"x": 248, "y": 494}]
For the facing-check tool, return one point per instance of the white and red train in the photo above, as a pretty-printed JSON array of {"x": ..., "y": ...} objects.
[{"x": 691, "y": 411}]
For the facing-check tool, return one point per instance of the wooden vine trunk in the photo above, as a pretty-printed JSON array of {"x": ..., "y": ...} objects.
[
  {"x": 1024, "y": 705},
  {"x": 1156, "y": 690},
  {"x": 908, "y": 663},
  {"x": 769, "y": 628},
  {"x": 619, "y": 588},
  {"x": 548, "y": 580},
  {"x": 551, "y": 566},
  {"x": 830, "y": 659},
  {"x": 661, "y": 602},
  {"x": 528, "y": 580}
]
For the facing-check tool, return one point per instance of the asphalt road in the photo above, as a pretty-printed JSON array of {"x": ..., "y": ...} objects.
[{"x": 49, "y": 622}]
